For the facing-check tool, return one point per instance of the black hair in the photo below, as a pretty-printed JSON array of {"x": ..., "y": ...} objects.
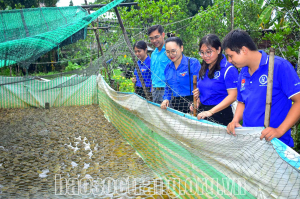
[
  {"x": 236, "y": 39},
  {"x": 159, "y": 28},
  {"x": 169, "y": 34},
  {"x": 177, "y": 40},
  {"x": 210, "y": 40},
  {"x": 140, "y": 45}
]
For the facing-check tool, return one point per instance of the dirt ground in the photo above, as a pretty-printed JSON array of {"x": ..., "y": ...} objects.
[{"x": 68, "y": 152}]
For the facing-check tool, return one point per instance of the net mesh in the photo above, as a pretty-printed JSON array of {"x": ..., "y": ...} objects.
[
  {"x": 100, "y": 139},
  {"x": 33, "y": 40}
]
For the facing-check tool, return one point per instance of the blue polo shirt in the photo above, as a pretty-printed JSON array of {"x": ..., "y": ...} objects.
[
  {"x": 178, "y": 81},
  {"x": 146, "y": 72},
  {"x": 252, "y": 91},
  {"x": 159, "y": 61},
  {"x": 213, "y": 91}
]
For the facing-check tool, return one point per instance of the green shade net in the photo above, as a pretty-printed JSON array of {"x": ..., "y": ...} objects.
[{"x": 27, "y": 34}]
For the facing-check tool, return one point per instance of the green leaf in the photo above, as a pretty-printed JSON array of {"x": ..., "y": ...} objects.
[{"x": 266, "y": 14}]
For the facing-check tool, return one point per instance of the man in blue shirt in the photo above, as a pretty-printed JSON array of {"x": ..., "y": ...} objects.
[
  {"x": 159, "y": 61},
  {"x": 252, "y": 88}
]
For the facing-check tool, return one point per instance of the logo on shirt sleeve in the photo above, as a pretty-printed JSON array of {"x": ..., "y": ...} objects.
[
  {"x": 143, "y": 69},
  {"x": 263, "y": 79},
  {"x": 183, "y": 74},
  {"x": 217, "y": 75},
  {"x": 243, "y": 84}
]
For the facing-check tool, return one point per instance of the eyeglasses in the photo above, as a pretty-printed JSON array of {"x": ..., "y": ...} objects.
[
  {"x": 172, "y": 52},
  {"x": 155, "y": 37},
  {"x": 207, "y": 53}
]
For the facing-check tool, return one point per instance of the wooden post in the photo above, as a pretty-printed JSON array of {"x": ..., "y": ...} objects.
[
  {"x": 134, "y": 87},
  {"x": 298, "y": 65},
  {"x": 269, "y": 88},
  {"x": 232, "y": 14},
  {"x": 47, "y": 105},
  {"x": 195, "y": 100},
  {"x": 99, "y": 47},
  {"x": 96, "y": 34},
  {"x": 61, "y": 93},
  {"x": 132, "y": 55}
]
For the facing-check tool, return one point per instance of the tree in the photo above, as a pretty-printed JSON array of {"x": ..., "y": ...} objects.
[
  {"x": 71, "y": 3},
  {"x": 194, "y": 6},
  {"x": 49, "y": 3},
  {"x": 148, "y": 13},
  {"x": 17, "y": 4},
  {"x": 213, "y": 20},
  {"x": 284, "y": 18}
]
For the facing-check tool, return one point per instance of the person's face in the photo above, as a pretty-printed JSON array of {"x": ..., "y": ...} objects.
[
  {"x": 140, "y": 53},
  {"x": 173, "y": 51},
  {"x": 237, "y": 59},
  {"x": 157, "y": 39},
  {"x": 209, "y": 54}
]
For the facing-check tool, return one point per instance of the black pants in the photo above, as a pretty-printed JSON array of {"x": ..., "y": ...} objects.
[
  {"x": 182, "y": 104},
  {"x": 223, "y": 117},
  {"x": 140, "y": 91}
]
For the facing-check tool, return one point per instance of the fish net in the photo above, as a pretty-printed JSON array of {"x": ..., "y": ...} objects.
[{"x": 92, "y": 136}]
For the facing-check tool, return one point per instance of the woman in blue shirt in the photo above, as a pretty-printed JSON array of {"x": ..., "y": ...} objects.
[
  {"x": 140, "y": 50},
  {"x": 179, "y": 76},
  {"x": 217, "y": 82}
]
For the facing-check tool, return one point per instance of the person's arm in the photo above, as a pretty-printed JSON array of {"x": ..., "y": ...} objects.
[
  {"x": 230, "y": 80},
  {"x": 167, "y": 95},
  {"x": 133, "y": 79},
  {"x": 238, "y": 116},
  {"x": 134, "y": 76},
  {"x": 231, "y": 97},
  {"x": 292, "y": 117},
  {"x": 290, "y": 85}
]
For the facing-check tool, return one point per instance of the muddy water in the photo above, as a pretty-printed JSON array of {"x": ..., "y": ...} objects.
[{"x": 70, "y": 152}]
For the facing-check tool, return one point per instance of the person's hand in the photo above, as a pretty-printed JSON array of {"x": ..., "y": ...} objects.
[
  {"x": 231, "y": 127},
  {"x": 196, "y": 93},
  {"x": 204, "y": 114},
  {"x": 192, "y": 106},
  {"x": 270, "y": 133},
  {"x": 133, "y": 79},
  {"x": 164, "y": 104}
]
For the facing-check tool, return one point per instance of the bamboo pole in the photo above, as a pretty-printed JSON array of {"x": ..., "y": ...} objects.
[
  {"x": 102, "y": 5},
  {"x": 195, "y": 100},
  {"x": 96, "y": 28},
  {"x": 269, "y": 88},
  {"x": 232, "y": 14},
  {"x": 298, "y": 65},
  {"x": 132, "y": 55}
]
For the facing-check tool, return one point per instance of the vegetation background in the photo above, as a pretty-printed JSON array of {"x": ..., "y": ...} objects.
[{"x": 269, "y": 22}]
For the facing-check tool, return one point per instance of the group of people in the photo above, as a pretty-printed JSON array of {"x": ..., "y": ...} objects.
[{"x": 168, "y": 75}]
